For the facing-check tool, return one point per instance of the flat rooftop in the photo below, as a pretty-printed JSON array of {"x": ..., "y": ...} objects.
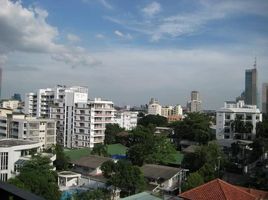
[{"x": 14, "y": 142}]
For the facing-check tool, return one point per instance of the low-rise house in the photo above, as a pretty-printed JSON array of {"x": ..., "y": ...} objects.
[
  {"x": 218, "y": 189},
  {"x": 89, "y": 165},
  {"x": 163, "y": 178}
]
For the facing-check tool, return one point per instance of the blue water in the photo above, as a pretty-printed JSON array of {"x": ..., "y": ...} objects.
[{"x": 67, "y": 194}]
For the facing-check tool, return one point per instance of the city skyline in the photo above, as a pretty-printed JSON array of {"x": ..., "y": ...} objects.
[{"x": 131, "y": 51}]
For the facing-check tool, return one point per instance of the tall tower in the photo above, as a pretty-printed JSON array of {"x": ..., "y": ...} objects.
[
  {"x": 265, "y": 98},
  {"x": 195, "y": 105},
  {"x": 251, "y": 85},
  {"x": 0, "y": 82}
]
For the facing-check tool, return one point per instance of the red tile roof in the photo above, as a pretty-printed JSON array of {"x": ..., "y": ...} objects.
[{"x": 220, "y": 190}]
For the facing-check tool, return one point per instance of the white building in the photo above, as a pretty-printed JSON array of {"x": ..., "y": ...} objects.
[
  {"x": 13, "y": 153},
  {"x": 21, "y": 126},
  {"x": 126, "y": 119},
  {"x": 10, "y": 104},
  {"x": 232, "y": 111},
  {"x": 154, "y": 108},
  {"x": 82, "y": 123}
]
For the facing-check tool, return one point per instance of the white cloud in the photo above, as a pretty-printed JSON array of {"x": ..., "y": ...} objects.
[
  {"x": 73, "y": 37},
  {"x": 122, "y": 35},
  {"x": 26, "y": 30},
  {"x": 185, "y": 23},
  {"x": 152, "y": 9},
  {"x": 99, "y": 36},
  {"x": 106, "y": 4}
]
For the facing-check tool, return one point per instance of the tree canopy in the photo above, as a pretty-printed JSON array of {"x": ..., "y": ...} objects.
[
  {"x": 195, "y": 127},
  {"x": 100, "y": 150},
  {"x": 62, "y": 160},
  {"x": 123, "y": 175},
  {"x": 111, "y": 132},
  {"x": 147, "y": 147},
  {"x": 93, "y": 194},
  {"x": 38, "y": 177},
  {"x": 155, "y": 120}
]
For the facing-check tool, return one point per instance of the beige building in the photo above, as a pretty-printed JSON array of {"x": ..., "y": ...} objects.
[
  {"x": 10, "y": 104},
  {"x": 21, "y": 126}
]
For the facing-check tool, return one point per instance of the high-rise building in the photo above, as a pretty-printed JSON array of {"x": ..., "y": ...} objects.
[
  {"x": 0, "y": 82},
  {"x": 265, "y": 98},
  {"x": 195, "y": 105},
  {"x": 251, "y": 85},
  {"x": 80, "y": 122},
  {"x": 126, "y": 119}
]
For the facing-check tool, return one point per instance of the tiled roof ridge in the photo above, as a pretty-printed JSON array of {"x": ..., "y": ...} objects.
[
  {"x": 233, "y": 186},
  {"x": 198, "y": 187},
  {"x": 220, "y": 185}
]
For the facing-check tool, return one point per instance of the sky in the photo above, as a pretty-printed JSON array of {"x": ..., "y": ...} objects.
[{"x": 128, "y": 51}]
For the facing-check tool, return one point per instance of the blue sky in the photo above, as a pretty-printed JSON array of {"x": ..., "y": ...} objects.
[{"x": 129, "y": 51}]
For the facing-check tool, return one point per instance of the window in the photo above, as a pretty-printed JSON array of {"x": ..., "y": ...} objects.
[{"x": 3, "y": 160}]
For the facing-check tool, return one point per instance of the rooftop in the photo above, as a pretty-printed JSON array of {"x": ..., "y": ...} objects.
[
  {"x": 142, "y": 195},
  {"x": 218, "y": 189},
  {"x": 91, "y": 161},
  {"x": 159, "y": 171},
  {"x": 14, "y": 142}
]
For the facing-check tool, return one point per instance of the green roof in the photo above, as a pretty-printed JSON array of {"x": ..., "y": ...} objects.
[
  {"x": 75, "y": 154},
  {"x": 143, "y": 196},
  {"x": 116, "y": 149},
  {"x": 178, "y": 157}
]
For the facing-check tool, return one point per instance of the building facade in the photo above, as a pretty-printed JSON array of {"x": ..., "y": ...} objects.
[
  {"x": 154, "y": 108},
  {"x": 265, "y": 98},
  {"x": 231, "y": 111},
  {"x": 10, "y": 104},
  {"x": 195, "y": 105},
  {"x": 21, "y": 126},
  {"x": 81, "y": 123},
  {"x": 12, "y": 153},
  {"x": 251, "y": 86},
  {"x": 126, "y": 119}
]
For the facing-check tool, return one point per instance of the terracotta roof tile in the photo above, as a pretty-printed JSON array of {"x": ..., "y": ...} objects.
[{"x": 220, "y": 190}]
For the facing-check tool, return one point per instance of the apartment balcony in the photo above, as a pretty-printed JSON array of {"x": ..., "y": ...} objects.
[{"x": 98, "y": 140}]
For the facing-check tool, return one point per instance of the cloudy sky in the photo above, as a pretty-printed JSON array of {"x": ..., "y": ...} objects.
[{"x": 129, "y": 51}]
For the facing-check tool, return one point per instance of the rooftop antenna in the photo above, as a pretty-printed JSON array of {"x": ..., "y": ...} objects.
[{"x": 255, "y": 63}]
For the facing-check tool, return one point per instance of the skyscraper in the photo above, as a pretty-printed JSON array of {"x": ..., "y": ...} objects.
[
  {"x": 265, "y": 98},
  {"x": 251, "y": 86},
  {"x": 195, "y": 105},
  {"x": 0, "y": 82}
]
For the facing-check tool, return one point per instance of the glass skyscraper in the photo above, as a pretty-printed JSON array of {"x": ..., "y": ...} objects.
[{"x": 251, "y": 87}]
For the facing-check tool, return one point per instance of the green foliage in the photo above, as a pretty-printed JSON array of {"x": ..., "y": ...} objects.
[
  {"x": 100, "y": 150},
  {"x": 207, "y": 171},
  {"x": 195, "y": 127},
  {"x": 262, "y": 129},
  {"x": 93, "y": 194},
  {"x": 38, "y": 177},
  {"x": 110, "y": 133},
  {"x": 155, "y": 120},
  {"x": 62, "y": 160},
  {"x": 210, "y": 154},
  {"x": 149, "y": 148},
  {"x": 193, "y": 180},
  {"x": 125, "y": 176}
]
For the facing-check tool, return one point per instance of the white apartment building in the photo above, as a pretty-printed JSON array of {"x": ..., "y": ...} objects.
[
  {"x": 38, "y": 104},
  {"x": 82, "y": 124},
  {"x": 10, "y": 104},
  {"x": 232, "y": 110},
  {"x": 126, "y": 119},
  {"x": 154, "y": 107},
  {"x": 21, "y": 126},
  {"x": 167, "y": 111},
  {"x": 13, "y": 153}
]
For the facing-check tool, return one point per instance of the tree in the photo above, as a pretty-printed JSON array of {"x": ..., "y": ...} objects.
[
  {"x": 156, "y": 120},
  {"x": 110, "y": 133},
  {"x": 193, "y": 180},
  {"x": 128, "y": 178},
  {"x": 196, "y": 127},
  {"x": 93, "y": 194},
  {"x": 100, "y": 150},
  {"x": 38, "y": 177},
  {"x": 62, "y": 160},
  {"x": 150, "y": 148}
]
